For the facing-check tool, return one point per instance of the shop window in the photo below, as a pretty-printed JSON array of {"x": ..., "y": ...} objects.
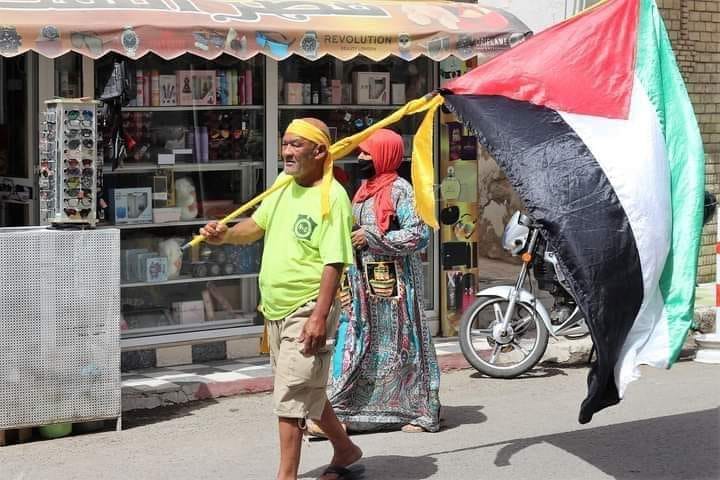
[
  {"x": 351, "y": 95},
  {"x": 13, "y": 119},
  {"x": 68, "y": 75},
  {"x": 184, "y": 144}
]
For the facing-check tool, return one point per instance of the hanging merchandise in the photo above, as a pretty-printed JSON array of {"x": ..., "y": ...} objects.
[
  {"x": 450, "y": 186},
  {"x": 68, "y": 163}
]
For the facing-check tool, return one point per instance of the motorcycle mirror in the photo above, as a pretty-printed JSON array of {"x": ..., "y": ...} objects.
[{"x": 524, "y": 220}]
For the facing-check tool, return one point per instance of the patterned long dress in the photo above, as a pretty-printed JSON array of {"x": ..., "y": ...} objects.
[{"x": 385, "y": 371}]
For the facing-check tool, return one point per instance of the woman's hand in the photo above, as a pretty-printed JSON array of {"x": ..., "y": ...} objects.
[
  {"x": 214, "y": 233},
  {"x": 359, "y": 241}
]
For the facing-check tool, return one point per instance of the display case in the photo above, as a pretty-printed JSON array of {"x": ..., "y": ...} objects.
[
  {"x": 68, "y": 163},
  {"x": 187, "y": 146},
  {"x": 351, "y": 95}
]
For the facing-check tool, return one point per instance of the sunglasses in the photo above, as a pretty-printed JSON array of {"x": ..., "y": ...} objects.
[
  {"x": 87, "y": 40},
  {"x": 71, "y": 212},
  {"x": 73, "y": 162},
  {"x": 278, "y": 46},
  {"x": 49, "y": 116},
  {"x": 78, "y": 202},
  {"x": 74, "y": 144},
  {"x": 77, "y": 192},
  {"x": 47, "y": 147},
  {"x": 78, "y": 123},
  {"x": 72, "y": 172},
  {"x": 76, "y": 114},
  {"x": 73, "y": 132},
  {"x": 48, "y": 136}
]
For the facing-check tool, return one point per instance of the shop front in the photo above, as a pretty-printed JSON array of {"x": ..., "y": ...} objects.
[{"x": 206, "y": 90}]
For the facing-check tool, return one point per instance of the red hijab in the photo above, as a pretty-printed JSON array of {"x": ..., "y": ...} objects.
[{"x": 386, "y": 149}]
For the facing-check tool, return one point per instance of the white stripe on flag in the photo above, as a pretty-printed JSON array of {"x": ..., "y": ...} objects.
[{"x": 633, "y": 156}]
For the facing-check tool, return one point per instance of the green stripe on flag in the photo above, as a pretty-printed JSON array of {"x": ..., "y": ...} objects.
[{"x": 659, "y": 75}]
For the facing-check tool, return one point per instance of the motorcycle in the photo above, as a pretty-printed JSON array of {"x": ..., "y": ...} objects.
[{"x": 505, "y": 332}]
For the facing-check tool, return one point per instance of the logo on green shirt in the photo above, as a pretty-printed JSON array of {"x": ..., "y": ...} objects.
[{"x": 304, "y": 227}]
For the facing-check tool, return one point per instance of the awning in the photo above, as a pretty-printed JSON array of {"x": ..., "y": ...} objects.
[{"x": 243, "y": 29}]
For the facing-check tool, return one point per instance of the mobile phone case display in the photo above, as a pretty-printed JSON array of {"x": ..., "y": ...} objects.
[
  {"x": 459, "y": 212},
  {"x": 68, "y": 162},
  {"x": 59, "y": 341}
]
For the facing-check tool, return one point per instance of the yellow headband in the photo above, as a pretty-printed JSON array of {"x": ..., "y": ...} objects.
[
  {"x": 308, "y": 131},
  {"x": 312, "y": 133}
]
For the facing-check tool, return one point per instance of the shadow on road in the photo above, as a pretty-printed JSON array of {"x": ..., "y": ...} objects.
[
  {"x": 387, "y": 467},
  {"x": 139, "y": 418},
  {"x": 671, "y": 447},
  {"x": 453, "y": 416},
  {"x": 537, "y": 372}
]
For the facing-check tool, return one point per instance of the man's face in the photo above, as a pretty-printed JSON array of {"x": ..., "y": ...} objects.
[{"x": 299, "y": 157}]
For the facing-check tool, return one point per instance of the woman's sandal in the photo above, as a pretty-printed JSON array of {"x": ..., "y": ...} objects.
[{"x": 409, "y": 428}]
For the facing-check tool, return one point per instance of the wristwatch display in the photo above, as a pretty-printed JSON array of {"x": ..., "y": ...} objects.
[
  {"x": 10, "y": 41},
  {"x": 309, "y": 44},
  {"x": 130, "y": 41}
]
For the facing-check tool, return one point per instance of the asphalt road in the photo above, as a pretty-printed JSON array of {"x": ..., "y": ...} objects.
[{"x": 668, "y": 427}]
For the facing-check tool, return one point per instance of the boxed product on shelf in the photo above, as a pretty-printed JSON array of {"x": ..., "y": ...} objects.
[
  {"x": 168, "y": 90},
  {"x": 166, "y": 214},
  {"x": 294, "y": 93},
  {"x": 335, "y": 92},
  {"x": 215, "y": 208},
  {"x": 190, "y": 311},
  {"x": 130, "y": 205},
  {"x": 197, "y": 87},
  {"x": 371, "y": 88},
  {"x": 128, "y": 262},
  {"x": 153, "y": 268},
  {"x": 398, "y": 93},
  {"x": 155, "y": 88}
]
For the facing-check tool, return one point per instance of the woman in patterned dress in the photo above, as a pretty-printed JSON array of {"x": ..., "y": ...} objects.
[{"x": 385, "y": 372}]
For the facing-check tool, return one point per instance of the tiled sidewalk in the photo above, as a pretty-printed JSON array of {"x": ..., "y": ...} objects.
[{"x": 185, "y": 383}]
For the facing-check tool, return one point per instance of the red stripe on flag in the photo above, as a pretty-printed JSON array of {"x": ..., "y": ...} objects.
[
  {"x": 717, "y": 295},
  {"x": 583, "y": 65}
]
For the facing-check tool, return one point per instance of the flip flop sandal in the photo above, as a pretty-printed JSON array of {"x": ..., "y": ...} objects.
[{"x": 341, "y": 473}]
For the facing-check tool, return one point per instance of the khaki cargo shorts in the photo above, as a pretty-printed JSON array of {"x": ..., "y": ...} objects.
[{"x": 300, "y": 380}]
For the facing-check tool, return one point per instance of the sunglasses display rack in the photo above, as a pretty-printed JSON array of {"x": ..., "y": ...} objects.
[{"x": 68, "y": 177}]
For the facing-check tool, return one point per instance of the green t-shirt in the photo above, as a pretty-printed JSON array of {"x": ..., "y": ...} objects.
[{"x": 299, "y": 243}]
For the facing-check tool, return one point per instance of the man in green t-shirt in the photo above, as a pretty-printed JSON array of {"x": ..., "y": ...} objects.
[{"x": 305, "y": 250}]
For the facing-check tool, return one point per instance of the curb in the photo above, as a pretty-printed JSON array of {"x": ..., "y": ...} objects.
[{"x": 560, "y": 352}]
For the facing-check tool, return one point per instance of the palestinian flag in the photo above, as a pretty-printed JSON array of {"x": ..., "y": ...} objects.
[{"x": 593, "y": 126}]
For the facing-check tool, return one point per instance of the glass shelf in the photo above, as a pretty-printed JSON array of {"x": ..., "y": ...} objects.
[
  {"x": 188, "y": 223},
  {"x": 211, "y": 166},
  {"x": 190, "y": 108},
  {"x": 188, "y": 280},
  {"x": 339, "y": 107}
]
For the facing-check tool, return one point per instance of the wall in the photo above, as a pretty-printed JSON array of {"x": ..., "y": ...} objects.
[{"x": 694, "y": 29}]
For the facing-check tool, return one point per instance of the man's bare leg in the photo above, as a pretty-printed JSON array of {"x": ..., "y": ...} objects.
[
  {"x": 345, "y": 452},
  {"x": 290, "y": 445}
]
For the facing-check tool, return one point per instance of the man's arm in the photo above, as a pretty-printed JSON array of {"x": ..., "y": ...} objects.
[
  {"x": 314, "y": 332},
  {"x": 245, "y": 231}
]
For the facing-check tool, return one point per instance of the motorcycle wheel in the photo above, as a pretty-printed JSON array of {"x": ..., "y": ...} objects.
[{"x": 517, "y": 354}]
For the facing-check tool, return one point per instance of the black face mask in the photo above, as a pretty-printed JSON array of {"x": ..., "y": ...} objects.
[{"x": 366, "y": 169}]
